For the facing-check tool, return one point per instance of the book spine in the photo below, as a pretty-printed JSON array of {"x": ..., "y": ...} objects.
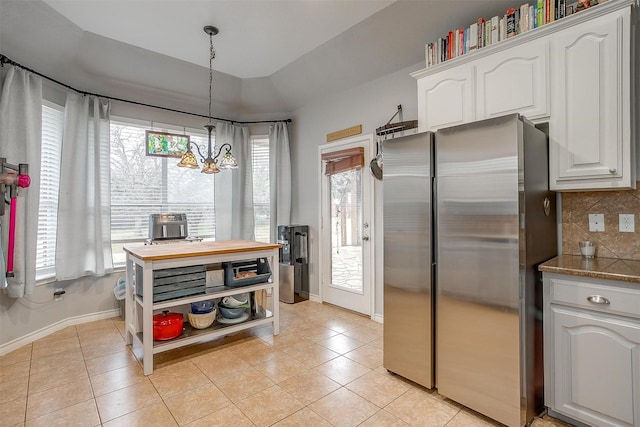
[
  {"x": 501, "y": 28},
  {"x": 547, "y": 8},
  {"x": 487, "y": 33},
  {"x": 480, "y": 33},
  {"x": 511, "y": 23},
  {"x": 456, "y": 42},
  {"x": 562, "y": 9},
  {"x": 532, "y": 18},
  {"x": 466, "y": 40},
  {"x": 427, "y": 53},
  {"x": 540, "y": 13},
  {"x": 445, "y": 54},
  {"x": 473, "y": 37},
  {"x": 461, "y": 42},
  {"x": 495, "y": 31}
]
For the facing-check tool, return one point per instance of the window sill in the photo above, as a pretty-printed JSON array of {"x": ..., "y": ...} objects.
[{"x": 43, "y": 281}]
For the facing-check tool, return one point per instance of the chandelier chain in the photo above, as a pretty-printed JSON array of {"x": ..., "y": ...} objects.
[{"x": 212, "y": 55}]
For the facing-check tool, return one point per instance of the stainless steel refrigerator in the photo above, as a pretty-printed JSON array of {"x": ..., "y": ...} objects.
[
  {"x": 460, "y": 260},
  {"x": 495, "y": 223},
  {"x": 408, "y": 269}
]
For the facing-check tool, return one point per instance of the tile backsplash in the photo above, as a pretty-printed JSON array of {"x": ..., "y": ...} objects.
[{"x": 611, "y": 243}]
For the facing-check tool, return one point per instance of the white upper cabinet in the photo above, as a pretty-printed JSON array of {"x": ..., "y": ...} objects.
[
  {"x": 575, "y": 73},
  {"x": 446, "y": 99},
  {"x": 589, "y": 131},
  {"x": 514, "y": 81},
  {"x": 511, "y": 81}
]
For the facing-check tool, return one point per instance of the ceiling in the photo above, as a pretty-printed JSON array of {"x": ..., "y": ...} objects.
[
  {"x": 257, "y": 37},
  {"x": 273, "y": 57}
]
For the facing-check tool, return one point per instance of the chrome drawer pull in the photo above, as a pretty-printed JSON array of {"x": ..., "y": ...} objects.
[{"x": 598, "y": 299}]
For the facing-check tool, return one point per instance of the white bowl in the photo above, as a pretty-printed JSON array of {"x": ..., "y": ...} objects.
[{"x": 235, "y": 300}]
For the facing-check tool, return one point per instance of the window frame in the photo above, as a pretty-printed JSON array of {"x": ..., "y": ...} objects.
[
  {"x": 160, "y": 127},
  {"x": 49, "y": 274},
  {"x": 262, "y": 138}
]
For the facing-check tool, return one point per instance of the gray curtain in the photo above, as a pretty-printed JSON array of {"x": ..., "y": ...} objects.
[
  {"x": 234, "y": 188},
  {"x": 20, "y": 142},
  {"x": 83, "y": 245},
  {"x": 279, "y": 177}
]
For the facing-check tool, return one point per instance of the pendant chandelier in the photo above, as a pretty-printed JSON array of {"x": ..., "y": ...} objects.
[{"x": 210, "y": 163}]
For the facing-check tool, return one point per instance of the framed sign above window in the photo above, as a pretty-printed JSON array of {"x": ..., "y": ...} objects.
[{"x": 165, "y": 144}]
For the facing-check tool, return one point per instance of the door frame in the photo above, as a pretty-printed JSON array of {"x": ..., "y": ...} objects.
[{"x": 368, "y": 142}]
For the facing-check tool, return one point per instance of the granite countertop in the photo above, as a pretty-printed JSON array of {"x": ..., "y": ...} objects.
[{"x": 624, "y": 270}]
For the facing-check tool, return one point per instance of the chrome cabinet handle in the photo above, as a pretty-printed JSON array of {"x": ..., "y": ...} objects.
[{"x": 598, "y": 299}]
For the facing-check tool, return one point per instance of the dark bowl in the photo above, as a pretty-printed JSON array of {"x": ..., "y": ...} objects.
[
  {"x": 202, "y": 307},
  {"x": 231, "y": 313}
]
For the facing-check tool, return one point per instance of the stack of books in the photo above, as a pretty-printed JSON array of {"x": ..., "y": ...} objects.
[{"x": 515, "y": 21}]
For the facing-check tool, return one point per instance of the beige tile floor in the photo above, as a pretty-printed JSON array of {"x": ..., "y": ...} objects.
[{"x": 324, "y": 369}]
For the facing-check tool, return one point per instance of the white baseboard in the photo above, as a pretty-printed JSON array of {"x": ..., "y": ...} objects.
[
  {"x": 378, "y": 318},
  {"x": 55, "y": 327},
  {"x": 314, "y": 298}
]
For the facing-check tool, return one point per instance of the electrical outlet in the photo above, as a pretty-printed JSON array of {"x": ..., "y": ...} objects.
[
  {"x": 596, "y": 222},
  {"x": 626, "y": 223}
]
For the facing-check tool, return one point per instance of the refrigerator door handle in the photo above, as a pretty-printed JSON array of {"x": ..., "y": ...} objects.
[{"x": 546, "y": 204}]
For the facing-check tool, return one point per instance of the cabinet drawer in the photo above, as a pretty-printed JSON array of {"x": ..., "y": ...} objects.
[{"x": 611, "y": 299}]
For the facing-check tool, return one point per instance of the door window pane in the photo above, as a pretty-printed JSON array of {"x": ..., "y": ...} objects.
[{"x": 346, "y": 236}]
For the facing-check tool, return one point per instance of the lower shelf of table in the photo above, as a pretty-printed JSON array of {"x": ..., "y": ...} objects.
[{"x": 191, "y": 335}]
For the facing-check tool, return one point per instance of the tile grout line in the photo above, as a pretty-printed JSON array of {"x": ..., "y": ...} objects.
[{"x": 26, "y": 401}]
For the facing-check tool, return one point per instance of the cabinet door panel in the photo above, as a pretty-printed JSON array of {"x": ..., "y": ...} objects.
[
  {"x": 514, "y": 81},
  {"x": 589, "y": 130},
  {"x": 597, "y": 368},
  {"x": 446, "y": 99}
]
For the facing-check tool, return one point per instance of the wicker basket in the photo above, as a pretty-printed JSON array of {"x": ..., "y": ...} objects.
[{"x": 201, "y": 321}]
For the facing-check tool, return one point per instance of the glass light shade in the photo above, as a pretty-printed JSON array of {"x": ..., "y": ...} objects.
[
  {"x": 188, "y": 160},
  {"x": 210, "y": 166},
  {"x": 228, "y": 161}
]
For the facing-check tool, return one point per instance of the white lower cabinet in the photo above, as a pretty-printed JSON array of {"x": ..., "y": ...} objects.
[{"x": 592, "y": 350}]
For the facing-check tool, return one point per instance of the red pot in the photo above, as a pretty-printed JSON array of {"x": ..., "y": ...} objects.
[{"x": 167, "y": 325}]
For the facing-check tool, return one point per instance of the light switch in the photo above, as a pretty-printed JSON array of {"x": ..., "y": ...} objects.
[
  {"x": 626, "y": 223},
  {"x": 596, "y": 222}
]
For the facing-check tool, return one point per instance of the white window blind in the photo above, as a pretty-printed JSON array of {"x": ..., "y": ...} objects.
[
  {"x": 52, "y": 126},
  {"x": 261, "y": 208},
  {"x": 142, "y": 185}
]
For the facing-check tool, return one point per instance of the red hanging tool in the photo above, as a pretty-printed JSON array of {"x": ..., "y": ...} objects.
[{"x": 10, "y": 182}]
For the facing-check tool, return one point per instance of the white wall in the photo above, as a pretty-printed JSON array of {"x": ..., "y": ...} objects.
[
  {"x": 372, "y": 105},
  {"x": 38, "y": 312}
]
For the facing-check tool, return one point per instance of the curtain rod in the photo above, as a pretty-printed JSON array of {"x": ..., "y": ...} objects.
[{"x": 5, "y": 60}]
